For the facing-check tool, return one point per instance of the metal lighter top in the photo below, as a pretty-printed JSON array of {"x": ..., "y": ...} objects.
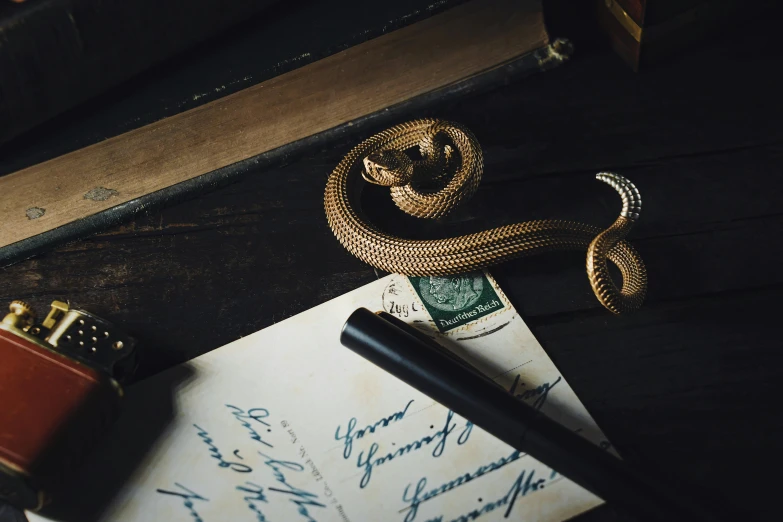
[{"x": 60, "y": 388}]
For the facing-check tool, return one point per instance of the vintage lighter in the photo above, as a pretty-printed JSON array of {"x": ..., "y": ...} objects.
[{"x": 60, "y": 389}]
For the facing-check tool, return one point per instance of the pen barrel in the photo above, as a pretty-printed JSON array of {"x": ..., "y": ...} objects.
[{"x": 408, "y": 355}]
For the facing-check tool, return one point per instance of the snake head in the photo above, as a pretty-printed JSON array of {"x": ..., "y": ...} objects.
[{"x": 389, "y": 168}]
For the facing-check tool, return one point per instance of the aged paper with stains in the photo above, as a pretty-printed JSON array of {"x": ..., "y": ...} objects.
[{"x": 287, "y": 424}]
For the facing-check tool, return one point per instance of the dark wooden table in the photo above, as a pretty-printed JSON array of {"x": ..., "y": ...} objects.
[{"x": 688, "y": 387}]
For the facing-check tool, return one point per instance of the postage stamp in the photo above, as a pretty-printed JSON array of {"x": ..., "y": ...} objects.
[{"x": 453, "y": 301}]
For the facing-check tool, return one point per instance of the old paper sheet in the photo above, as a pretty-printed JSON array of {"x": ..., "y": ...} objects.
[{"x": 287, "y": 424}]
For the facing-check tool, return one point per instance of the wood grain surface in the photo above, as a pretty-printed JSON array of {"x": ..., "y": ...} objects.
[
  {"x": 689, "y": 387},
  {"x": 457, "y": 44}
]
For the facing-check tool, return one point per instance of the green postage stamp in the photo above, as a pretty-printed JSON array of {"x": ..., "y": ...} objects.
[{"x": 453, "y": 301}]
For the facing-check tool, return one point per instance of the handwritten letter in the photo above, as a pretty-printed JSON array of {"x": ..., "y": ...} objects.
[{"x": 286, "y": 424}]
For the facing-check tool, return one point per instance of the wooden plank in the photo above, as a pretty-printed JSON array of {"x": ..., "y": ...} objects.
[
  {"x": 370, "y": 77},
  {"x": 243, "y": 255}
]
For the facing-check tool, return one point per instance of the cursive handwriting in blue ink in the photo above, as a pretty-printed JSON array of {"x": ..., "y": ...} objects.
[
  {"x": 350, "y": 434},
  {"x": 214, "y": 452},
  {"x": 188, "y": 496},
  {"x": 255, "y": 493},
  {"x": 255, "y": 415},
  {"x": 465, "y": 435},
  {"x": 524, "y": 484},
  {"x": 539, "y": 393},
  {"x": 300, "y": 497},
  {"x": 418, "y": 495},
  {"x": 370, "y": 461}
]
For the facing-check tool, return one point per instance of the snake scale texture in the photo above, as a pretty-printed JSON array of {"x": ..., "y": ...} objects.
[{"x": 446, "y": 174}]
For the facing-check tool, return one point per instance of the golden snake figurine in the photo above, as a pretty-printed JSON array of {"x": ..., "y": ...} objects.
[{"x": 452, "y": 163}]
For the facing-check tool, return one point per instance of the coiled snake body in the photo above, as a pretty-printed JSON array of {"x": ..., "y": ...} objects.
[{"x": 452, "y": 164}]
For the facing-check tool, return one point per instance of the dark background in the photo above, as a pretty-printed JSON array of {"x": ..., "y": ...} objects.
[{"x": 688, "y": 387}]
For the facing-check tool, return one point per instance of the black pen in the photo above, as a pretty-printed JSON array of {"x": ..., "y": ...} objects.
[{"x": 412, "y": 357}]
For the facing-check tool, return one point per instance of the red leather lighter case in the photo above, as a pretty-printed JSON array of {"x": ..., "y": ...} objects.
[{"x": 59, "y": 391}]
